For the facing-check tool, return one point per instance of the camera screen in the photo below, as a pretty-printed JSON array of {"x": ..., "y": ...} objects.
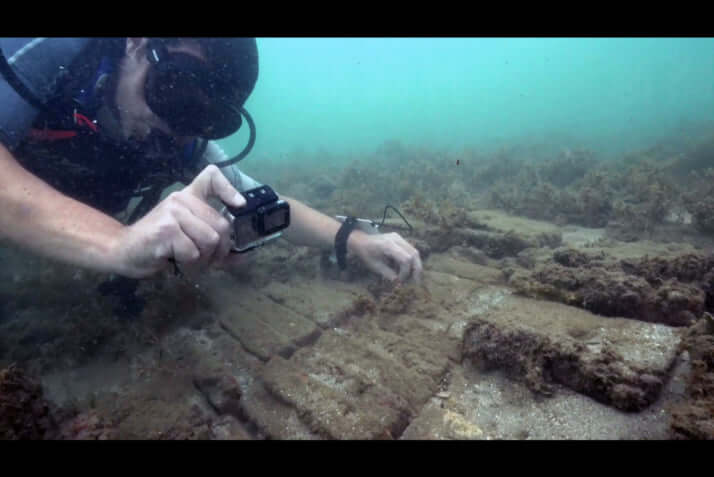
[{"x": 276, "y": 219}]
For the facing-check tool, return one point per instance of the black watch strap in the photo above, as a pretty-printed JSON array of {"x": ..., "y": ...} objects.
[{"x": 341, "y": 241}]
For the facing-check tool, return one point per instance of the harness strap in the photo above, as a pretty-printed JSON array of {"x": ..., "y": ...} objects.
[
  {"x": 51, "y": 134},
  {"x": 82, "y": 120},
  {"x": 60, "y": 134}
]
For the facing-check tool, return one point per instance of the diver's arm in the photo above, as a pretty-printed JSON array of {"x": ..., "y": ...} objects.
[
  {"x": 182, "y": 227},
  {"x": 314, "y": 229},
  {"x": 311, "y": 228},
  {"x": 40, "y": 218}
]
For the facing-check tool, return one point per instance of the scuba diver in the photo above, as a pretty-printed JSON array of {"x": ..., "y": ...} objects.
[{"x": 88, "y": 124}]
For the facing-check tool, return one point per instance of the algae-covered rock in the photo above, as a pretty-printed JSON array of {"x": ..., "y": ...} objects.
[
  {"x": 24, "y": 412},
  {"x": 673, "y": 291},
  {"x": 623, "y": 363},
  {"x": 694, "y": 417}
]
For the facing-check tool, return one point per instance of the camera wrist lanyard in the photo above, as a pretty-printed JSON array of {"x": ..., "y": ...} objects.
[{"x": 341, "y": 241}]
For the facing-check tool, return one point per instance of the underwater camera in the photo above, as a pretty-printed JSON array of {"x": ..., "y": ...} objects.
[{"x": 260, "y": 221}]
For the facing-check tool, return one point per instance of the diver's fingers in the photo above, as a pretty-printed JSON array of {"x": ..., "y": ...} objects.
[
  {"x": 414, "y": 257},
  {"x": 212, "y": 183},
  {"x": 205, "y": 239},
  {"x": 405, "y": 264},
  {"x": 402, "y": 253},
  {"x": 384, "y": 270},
  {"x": 417, "y": 268},
  {"x": 218, "y": 243},
  {"x": 183, "y": 249}
]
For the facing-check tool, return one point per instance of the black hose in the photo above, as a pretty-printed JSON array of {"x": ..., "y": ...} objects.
[
  {"x": 411, "y": 229},
  {"x": 248, "y": 147},
  {"x": 13, "y": 80}
]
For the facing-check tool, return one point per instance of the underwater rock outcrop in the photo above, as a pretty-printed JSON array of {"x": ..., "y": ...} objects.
[
  {"x": 489, "y": 232},
  {"x": 673, "y": 291},
  {"x": 24, "y": 412},
  {"x": 699, "y": 200},
  {"x": 623, "y": 363},
  {"x": 694, "y": 418}
]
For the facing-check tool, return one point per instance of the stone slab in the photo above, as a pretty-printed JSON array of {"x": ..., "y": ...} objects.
[{"x": 621, "y": 362}]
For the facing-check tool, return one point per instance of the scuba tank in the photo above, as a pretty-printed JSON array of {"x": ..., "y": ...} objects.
[{"x": 31, "y": 69}]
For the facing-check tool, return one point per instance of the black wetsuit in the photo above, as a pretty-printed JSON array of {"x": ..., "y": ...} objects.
[{"x": 89, "y": 166}]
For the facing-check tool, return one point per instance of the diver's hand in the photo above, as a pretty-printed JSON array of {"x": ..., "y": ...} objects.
[
  {"x": 182, "y": 227},
  {"x": 383, "y": 253}
]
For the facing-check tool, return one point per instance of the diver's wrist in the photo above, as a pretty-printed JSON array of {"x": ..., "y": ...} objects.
[
  {"x": 118, "y": 257},
  {"x": 356, "y": 240},
  {"x": 115, "y": 255}
]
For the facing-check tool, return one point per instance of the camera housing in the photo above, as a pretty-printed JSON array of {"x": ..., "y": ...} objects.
[{"x": 260, "y": 221}]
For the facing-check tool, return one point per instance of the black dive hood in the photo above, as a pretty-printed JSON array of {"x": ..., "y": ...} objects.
[{"x": 203, "y": 97}]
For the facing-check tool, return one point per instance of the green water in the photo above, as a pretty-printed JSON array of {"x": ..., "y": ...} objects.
[{"x": 348, "y": 95}]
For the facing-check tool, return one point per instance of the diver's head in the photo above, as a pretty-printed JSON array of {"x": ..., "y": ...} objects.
[{"x": 185, "y": 87}]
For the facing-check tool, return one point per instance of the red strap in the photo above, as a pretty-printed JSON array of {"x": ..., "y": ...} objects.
[
  {"x": 51, "y": 134},
  {"x": 83, "y": 120},
  {"x": 55, "y": 134}
]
